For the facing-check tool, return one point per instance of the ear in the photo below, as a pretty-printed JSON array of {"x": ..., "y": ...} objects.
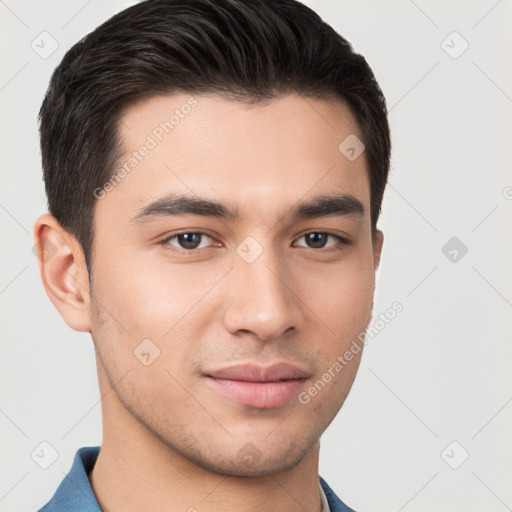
[
  {"x": 63, "y": 271},
  {"x": 378, "y": 241}
]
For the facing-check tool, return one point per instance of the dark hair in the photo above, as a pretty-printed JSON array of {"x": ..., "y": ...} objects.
[{"x": 252, "y": 50}]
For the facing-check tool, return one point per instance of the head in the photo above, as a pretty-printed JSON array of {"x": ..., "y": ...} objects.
[{"x": 229, "y": 121}]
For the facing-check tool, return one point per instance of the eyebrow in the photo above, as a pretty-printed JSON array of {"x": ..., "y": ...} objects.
[{"x": 319, "y": 206}]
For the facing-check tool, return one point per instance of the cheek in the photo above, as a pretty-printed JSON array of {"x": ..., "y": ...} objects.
[
  {"x": 137, "y": 303},
  {"x": 343, "y": 298},
  {"x": 145, "y": 297}
]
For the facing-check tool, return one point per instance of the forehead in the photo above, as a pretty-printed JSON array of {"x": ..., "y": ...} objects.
[{"x": 251, "y": 155}]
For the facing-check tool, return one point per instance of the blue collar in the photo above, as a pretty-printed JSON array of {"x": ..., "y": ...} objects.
[{"x": 75, "y": 492}]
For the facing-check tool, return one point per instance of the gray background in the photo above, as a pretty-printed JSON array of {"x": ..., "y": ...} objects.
[{"x": 439, "y": 372}]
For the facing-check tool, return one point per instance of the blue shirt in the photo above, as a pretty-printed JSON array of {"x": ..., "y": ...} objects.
[{"x": 75, "y": 494}]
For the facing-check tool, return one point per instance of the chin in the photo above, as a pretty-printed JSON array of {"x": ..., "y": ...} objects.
[
  {"x": 240, "y": 467},
  {"x": 249, "y": 460}
]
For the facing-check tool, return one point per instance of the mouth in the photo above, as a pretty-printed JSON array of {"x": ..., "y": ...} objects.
[{"x": 259, "y": 386}]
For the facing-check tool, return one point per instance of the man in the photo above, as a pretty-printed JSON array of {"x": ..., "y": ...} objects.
[{"x": 214, "y": 172}]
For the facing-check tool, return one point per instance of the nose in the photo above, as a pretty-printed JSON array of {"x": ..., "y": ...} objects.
[{"x": 262, "y": 301}]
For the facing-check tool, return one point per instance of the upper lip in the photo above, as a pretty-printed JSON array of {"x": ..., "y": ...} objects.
[{"x": 255, "y": 373}]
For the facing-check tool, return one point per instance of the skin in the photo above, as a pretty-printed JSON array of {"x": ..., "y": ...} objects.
[{"x": 170, "y": 441}]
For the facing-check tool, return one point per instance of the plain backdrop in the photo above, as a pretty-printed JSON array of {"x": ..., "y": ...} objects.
[{"x": 427, "y": 424}]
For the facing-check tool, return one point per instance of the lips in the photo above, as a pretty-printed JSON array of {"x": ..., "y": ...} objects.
[
  {"x": 255, "y": 373},
  {"x": 259, "y": 386}
]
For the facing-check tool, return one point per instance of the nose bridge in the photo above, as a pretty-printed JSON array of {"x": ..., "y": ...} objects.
[{"x": 261, "y": 299}]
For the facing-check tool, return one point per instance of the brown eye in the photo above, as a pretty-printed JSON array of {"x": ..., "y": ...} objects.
[
  {"x": 316, "y": 240},
  {"x": 187, "y": 240}
]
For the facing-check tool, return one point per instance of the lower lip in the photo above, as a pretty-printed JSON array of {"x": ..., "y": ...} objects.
[{"x": 262, "y": 395}]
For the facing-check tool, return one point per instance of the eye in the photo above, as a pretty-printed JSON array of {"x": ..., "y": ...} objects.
[
  {"x": 318, "y": 239},
  {"x": 187, "y": 240}
]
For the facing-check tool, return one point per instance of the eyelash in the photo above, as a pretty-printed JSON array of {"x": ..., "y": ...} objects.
[{"x": 341, "y": 241}]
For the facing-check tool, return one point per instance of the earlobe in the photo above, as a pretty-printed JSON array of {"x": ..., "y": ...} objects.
[
  {"x": 63, "y": 271},
  {"x": 378, "y": 241}
]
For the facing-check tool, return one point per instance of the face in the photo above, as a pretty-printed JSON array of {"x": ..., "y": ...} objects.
[{"x": 221, "y": 318}]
